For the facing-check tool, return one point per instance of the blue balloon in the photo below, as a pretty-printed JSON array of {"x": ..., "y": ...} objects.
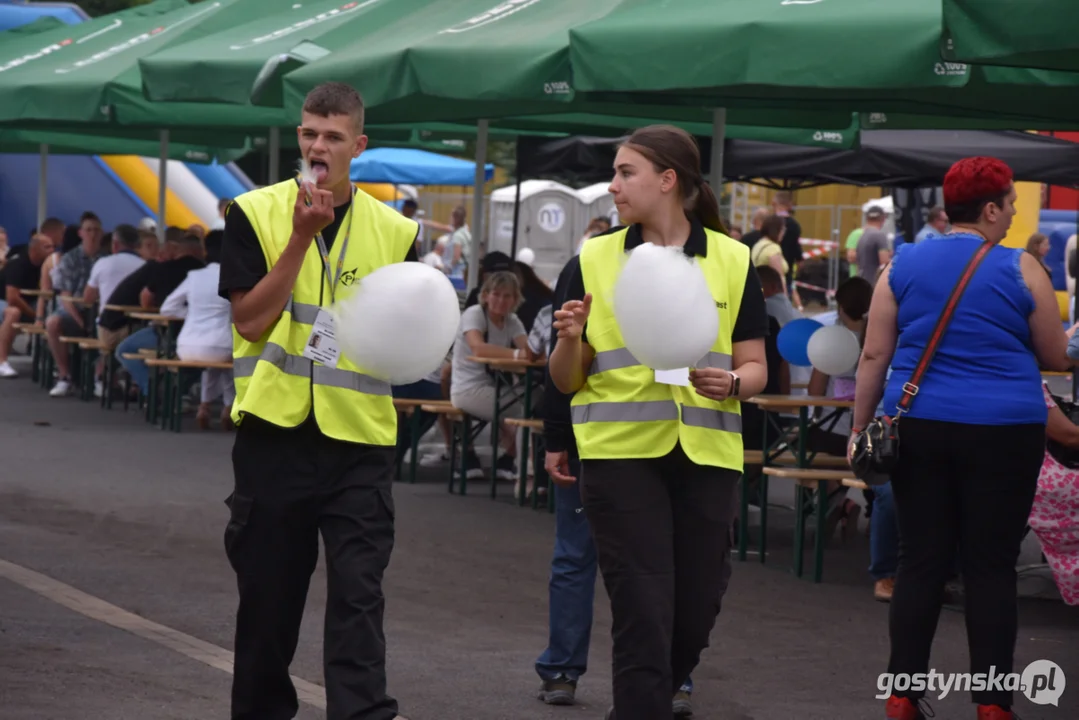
[{"x": 793, "y": 341}]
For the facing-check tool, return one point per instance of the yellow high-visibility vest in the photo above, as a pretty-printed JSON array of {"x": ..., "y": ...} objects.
[
  {"x": 274, "y": 381},
  {"x": 621, "y": 412}
]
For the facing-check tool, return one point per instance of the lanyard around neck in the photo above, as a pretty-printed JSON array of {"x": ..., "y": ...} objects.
[{"x": 325, "y": 254}]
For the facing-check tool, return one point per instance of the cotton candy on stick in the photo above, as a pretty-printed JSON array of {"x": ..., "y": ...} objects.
[
  {"x": 664, "y": 308},
  {"x": 400, "y": 323},
  {"x": 308, "y": 176}
]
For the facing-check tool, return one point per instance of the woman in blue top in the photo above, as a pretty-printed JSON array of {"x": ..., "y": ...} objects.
[{"x": 974, "y": 438}]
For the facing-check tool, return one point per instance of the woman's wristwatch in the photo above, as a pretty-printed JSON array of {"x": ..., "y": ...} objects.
[{"x": 736, "y": 384}]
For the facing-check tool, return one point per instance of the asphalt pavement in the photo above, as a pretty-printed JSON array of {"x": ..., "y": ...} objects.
[{"x": 117, "y": 601}]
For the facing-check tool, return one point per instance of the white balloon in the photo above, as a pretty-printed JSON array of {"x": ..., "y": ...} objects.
[
  {"x": 834, "y": 350},
  {"x": 400, "y": 323},
  {"x": 664, "y": 309}
]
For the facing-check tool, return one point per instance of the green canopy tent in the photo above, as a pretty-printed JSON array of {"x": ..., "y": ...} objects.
[{"x": 1015, "y": 33}]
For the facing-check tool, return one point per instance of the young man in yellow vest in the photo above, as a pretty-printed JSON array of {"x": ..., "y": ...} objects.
[{"x": 315, "y": 437}]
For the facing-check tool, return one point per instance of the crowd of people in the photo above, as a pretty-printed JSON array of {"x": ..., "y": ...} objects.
[
  {"x": 87, "y": 281},
  {"x": 645, "y": 469}
]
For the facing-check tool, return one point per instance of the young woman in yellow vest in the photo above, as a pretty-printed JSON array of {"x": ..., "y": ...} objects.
[
  {"x": 315, "y": 436},
  {"x": 660, "y": 463}
]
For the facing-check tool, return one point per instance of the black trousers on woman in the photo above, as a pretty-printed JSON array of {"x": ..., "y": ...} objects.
[
  {"x": 965, "y": 487},
  {"x": 662, "y": 529}
]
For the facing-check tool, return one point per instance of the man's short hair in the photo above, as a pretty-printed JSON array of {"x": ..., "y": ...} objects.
[
  {"x": 89, "y": 216},
  {"x": 936, "y": 213},
  {"x": 409, "y": 202},
  {"x": 769, "y": 277},
  {"x": 174, "y": 234},
  {"x": 52, "y": 224},
  {"x": 127, "y": 236},
  {"x": 334, "y": 98},
  {"x": 875, "y": 212}
]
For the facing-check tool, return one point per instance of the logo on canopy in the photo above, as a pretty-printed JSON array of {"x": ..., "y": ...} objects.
[
  {"x": 949, "y": 69},
  {"x": 295, "y": 27},
  {"x": 827, "y": 137},
  {"x": 47, "y": 50},
  {"x": 499, "y": 12},
  {"x": 139, "y": 39}
]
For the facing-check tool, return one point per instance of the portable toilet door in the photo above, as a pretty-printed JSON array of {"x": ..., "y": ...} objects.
[
  {"x": 598, "y": 202},
  {"x": 547, "y": 223}
]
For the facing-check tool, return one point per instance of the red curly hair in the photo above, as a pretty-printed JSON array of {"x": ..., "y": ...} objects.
[{"x": 972, "y": 183}]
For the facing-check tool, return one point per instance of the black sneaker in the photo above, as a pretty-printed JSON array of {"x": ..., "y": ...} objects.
[
  {"x": 560, "y": 691},
  {"x": 506, "y": 468},
  {"x": 473, "y": 467},
  {"x": 682, "y": 704}
]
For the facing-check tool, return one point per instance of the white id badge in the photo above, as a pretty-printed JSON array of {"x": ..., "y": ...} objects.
[
  {"x": 321, "y": 345},
  {"x": 673, "y": 377}
]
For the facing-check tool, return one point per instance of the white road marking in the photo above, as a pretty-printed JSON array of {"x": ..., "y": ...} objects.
[{"x": 97, "y": 609}]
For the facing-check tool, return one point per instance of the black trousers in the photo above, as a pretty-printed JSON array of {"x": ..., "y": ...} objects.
[
  {"x": 290, "y": 486},
  {"x": 965, "y": 487},
  {"x": 662, "y": 529}
]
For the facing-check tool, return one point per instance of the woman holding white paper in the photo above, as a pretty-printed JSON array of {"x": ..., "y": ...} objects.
[{"x": 660, "y": 444}]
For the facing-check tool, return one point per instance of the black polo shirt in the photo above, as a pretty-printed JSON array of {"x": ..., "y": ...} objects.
[
  {"x": 751, "y": 324},
  {"x": 243, "y": 263}
]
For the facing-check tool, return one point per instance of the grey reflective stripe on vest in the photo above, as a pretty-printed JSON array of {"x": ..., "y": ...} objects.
[
  {"x": 656, "y": 410},
  {"x": 622, "y": 358},
  {"x": 301, "y": 367},
  {"x": 302, "y": 312},
  {"x": 612, "y": 360},
  {"x": 711, "y": 419}
]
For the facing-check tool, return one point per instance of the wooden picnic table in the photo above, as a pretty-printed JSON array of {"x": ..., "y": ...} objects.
[
  {"x": 778, "y": 405},
  {"x": 154, "y": 318}
]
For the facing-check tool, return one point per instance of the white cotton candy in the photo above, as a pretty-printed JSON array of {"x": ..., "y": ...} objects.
[
  {"x": 400, "y": 323},
  {"x": 664, "y": 308},
  {"x": 307, "y": 174},
  {"x": 834, "y": 350}
]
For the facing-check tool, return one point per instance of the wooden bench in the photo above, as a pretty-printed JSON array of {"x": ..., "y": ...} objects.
[
  {"x": 812, "y": 478},
  {"x": 469, "y": 430},
  {"x": 30, "y": 328},
  {"x": 408, "y": 407},
  {"x": 172, "y": 398},
  {"x": 535, "y": 426},
  {"x": 756, "y": 457},
  {"x": 528, "y": 426},
  {"x": 854, "y": 483}
]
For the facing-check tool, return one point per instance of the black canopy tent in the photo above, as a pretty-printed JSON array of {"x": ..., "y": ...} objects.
[
  {"x": 899, "y": 159},
  {"x": 882, "y": 158}
]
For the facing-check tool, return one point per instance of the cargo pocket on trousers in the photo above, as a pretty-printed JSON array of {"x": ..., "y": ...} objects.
[{"x": 239, "y": 515}]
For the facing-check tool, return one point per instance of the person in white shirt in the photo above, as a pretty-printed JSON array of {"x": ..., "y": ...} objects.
[
  {"x": 105, "y": 275},
  {"x": 206, "y": 335}
]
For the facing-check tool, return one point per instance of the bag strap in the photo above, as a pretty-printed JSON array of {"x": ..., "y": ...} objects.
[{"x": 910, "y": 388}]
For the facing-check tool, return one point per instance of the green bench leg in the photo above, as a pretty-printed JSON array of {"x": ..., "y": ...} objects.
[
  {"x": 818, "y": 542},
  {"x": 799, "y": 529}
]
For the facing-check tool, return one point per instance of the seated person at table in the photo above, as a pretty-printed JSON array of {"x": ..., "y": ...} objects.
[
  {"x": 206, "y": 335},
  {"x": 108, "y": 273},
  {"x": 147, "y": 288},
  {"x": 853, "y": 297},
  {"x": 69, "y": 282},
  {"x": 489, "y": 330},
  {"x": 21, "y": 273},
  {"x": 1054, "y": 516}
]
